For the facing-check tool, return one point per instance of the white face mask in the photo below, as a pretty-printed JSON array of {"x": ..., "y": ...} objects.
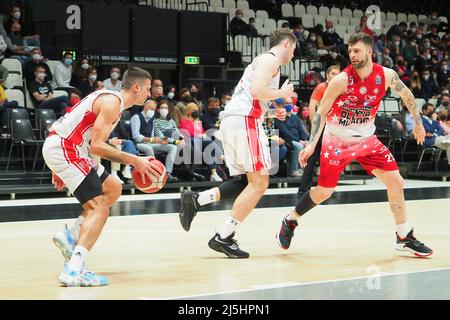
[
  {"x": 41, "y": 76},
  {"x": 85, "y": 66},
  {"x": 334, "y": 55},
  {"x": 171, "y": 95},
  {"x": 426, "y": 77},
  {"x": 115, "y": 75},
  {"x": 93, "y": 77},
  {"x": 330, "y": 30},
  {"x": 37, "y": 57},
  {"x": 150, "y": 113},
  {"x": 227, "y": 101},
  {"x": 17, "y": 15},
  {"x": 428, "y": 56},
  {"x": 427, "y": 45},
  {"x": 313, "y": 39},
  {"x": 163, "y": 112}
]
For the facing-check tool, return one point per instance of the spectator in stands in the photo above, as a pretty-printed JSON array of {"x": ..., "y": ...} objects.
[
  {"x": 387, "y": 56},
  {"x": 210, "y": 119},
  {"x": 407, "y": 121},
  {"x": 430, "y": 89},
  {"x": 433, "y": 19},
  {"x": 395, "y": 47},
  {"x": 113, "y": 83},
  {"x": 171, "y": 94},
  {"x": 423, "y": 61},
  {"x": 165, "y": 127},
  {"x": 252, "y": 31},
  {"x": 311, "y": 49},
  {"x": 98, "y": 85},
  {"x": 157, "y": 93},
  {"x": 42, "y": 94},
  {"x": 293, "y": 133},
  {"x": 194, "y": 133},
  {"x": 3, "y": 43},
  {"x": 3, "y": 74},
  {"x": 410, "y": 51},
  {"x": 74, "y": 98},
  {"x": 331, "y": 38},
  {"x": 443, "y": 121},
  {"x": 237, "y": 25},
  {"x": 443, "y": 75},
  {"x": 196, "y": 94},
  {"x": 401, "y": 68},
  {"x": 298, "y": 32},
  {"x": 225, "y": 99},
  {"x": 323, "y": 49},
  {"x": 15, "y": 15},
  {"x": 443, "y": 102},
  {"x": 364, "y": 28},
  {"x": 30, "y": 67},
  {"x": 274, "y": 140},
  {"x": 396, "y": 30},
  {"x": 433, "y": 36},
  {"x": 87, "y": 85},
  {"x": 63, "y": 72},
  {"x": 20, "y": 46},
  {"x": 5, "y": 105},
  {"x": 427, "y": 44},
  {"x": 416, "y": 84},
  {"x": 183, "y": 99},
  {"x": 435, "y": 65},
  {"x": 80, "y": 72},
  {"x": 379, "y": 45},
  {"x": 435, "y": 135},
  {"x": 142, "y": 129}
]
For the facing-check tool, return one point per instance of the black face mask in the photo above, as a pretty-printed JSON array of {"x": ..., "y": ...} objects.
[
  {"x": 215, "y": 111},
  {"x": 195, "y": 114},
  {"x": 16, "y": 33},
  {"x": 445, "y": 104},
  {"x": 187, "y": 99}
]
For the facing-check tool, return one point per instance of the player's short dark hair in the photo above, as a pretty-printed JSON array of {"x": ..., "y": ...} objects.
[
  {"x": 360, "y": 36},
  {"x": 133, "y": 75},
  {"x": 279, "y": 35}
]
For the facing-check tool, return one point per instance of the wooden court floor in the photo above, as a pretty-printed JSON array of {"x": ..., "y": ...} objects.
[{"x": 152, "y": 257}]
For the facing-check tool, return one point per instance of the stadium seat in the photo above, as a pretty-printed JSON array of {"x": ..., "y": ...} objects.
[
  {"x": 280, "y": 22},
  {"x": 270, "y": 25},
  {"x": 420, "y": 102},
  {"x": 249, "y": 13},
  {"x": 13, "y": 81},
  {"x": 161, "y": 4},
  {"x": 357, "y": 13},
  {"x": 242, "y": 4},
  {"x": 391, "y": 16},
  {"x": 15, "y": 95},
  {"x": 215, "y": 3},
  {"x": 433, "y": 101},
  {"x": 412, "y": 17},
  {"x": 312, "y": 10},
  {"x": 319, "y": 20},
  {"x": 421, "y": 17},
  {"x": 221, "y": 10},
  {"x": 324, "y": 11},
  {"x": 343, "y": 21},
  {"x": 178, "y": 5},
  {"x": 341, "y": 30},
  {"x": 335, "y": 12},
  {"x": 13, "y": 66},
  {"x": 443, "y": 19},
  {"x": 60, "y": 93},
  {"x": 230, "y": 4},
  {"x": 355, "y": 21},
  {"x": 287, "y": 10},
  {"x": 52, "y": 65},
  {"x": 391, "y": 106},
  {"x": 332, "y": 18},
  {"x": 308, "y": 21},
  {"x": 347, "y": 13},
  {"x": 299, "y": 10},
  {"x": 262, "y": 14},
  {"x": 402, "y": 17}
]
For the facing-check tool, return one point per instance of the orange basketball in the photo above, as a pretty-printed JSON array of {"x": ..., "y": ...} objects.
[{"x": 150, "y": 185}]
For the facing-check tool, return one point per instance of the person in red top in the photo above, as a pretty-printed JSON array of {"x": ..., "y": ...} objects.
[
  {"x": 364, "y": 28},
  {"x": 316, "y": 97},
  {"x": 349, "y": 107},
  {"x": 192, "y": 130}
]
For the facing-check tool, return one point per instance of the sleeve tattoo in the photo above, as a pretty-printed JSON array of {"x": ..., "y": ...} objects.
[
  {"x": 407, "y": 96},
  {"x": 316, "y": 127}
]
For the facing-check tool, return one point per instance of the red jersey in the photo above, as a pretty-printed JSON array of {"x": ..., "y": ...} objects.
[
  {"x": 319, "y": 91},
  {"x": 353, "y": 113}
]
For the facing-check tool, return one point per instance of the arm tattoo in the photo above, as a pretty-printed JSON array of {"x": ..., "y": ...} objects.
[
  {"x": 407, "y": 96},
  {"x": 316, "y": 127}
]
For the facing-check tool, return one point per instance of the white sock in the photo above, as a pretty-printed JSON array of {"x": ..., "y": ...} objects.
[
  {"x": 228, "y": 227},
  {"x": 403, "y": 230},
  {"x": 79, "y": 256},
  {"x": 208, "y": 196},
  {"x": 292, "y": 216},
  {"x": 75, "y": 228}
]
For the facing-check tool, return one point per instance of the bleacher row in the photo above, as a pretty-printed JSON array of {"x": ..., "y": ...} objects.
[{"x": 16, "y": 87}]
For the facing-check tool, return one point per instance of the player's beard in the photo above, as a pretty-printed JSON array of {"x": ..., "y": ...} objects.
[{"x": 362, "y": 64}]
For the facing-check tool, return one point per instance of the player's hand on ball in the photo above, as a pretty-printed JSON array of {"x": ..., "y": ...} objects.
[
  {"x": 147, "y": 168},
  {"x": 305, "y": 154},
  {"x": 419, "y": 134},
  {"x": 287, "y": 89},
  {"x": 57, "y": 182}
]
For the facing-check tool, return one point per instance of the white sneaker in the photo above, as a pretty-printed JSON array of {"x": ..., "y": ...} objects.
[
  {"x": 65, "y": 242},
  {"x": 297, "y": 173},
  {"x": 114, "y": 174},
  {"x": 215, "y": 177},
  {"x": 126, "y": 172}
]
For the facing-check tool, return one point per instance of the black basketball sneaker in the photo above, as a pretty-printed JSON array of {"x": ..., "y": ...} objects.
[
  {"x": 227, "y": 246},
  {"x": 284, "y": 236},
  {"x": 412, "y": 245},
  {"x": 189, "y": 207}
]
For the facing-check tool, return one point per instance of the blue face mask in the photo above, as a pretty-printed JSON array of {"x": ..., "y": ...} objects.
[
  {"x": 279, "y": 100},
  {"x": 68, "y": 61},
  {"x": 288, "y": 107}
]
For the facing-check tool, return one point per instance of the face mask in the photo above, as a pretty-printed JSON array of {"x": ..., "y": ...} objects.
[
  {"x": 93, "y": 77},
  {"x": 68, "y": 61},
  {"x": 37, "y": 57},
  {"x": 413, "y": 43},
  {"x": 195, "y": 114},
  {"x": 419, "y": 36},
  {"x": 85, "y": 66},
  {"x": 305, "y": 113},
  {"x": 163, "y": 112},
  {"x": 17, "y": 15},
  {"x": 252, "y": 23},
  {"x": 397, "y": 43},
  {"x": 239, "y": 16},
  {"x": 330, "y": 30},
  {"x": 215, "y": 112},
  {"x": 288, "y": 107},
  {"x": 187, "y": 99},
  {"x": 444, "y": 68},
  {"x": 115, "y": 75},
  {"x": 426, "y": 77},
  {"x": 445, "y": 104},
  {"x": 150, "y": 113},
  {"x": 313, "y": 39},
  {"x": 16, "y": 33},
  {"x": 427, "y": 45},
  {"x": 334, "y": 55},
  {"x": 41, "y": 76},
  {"x": 171, "y": 95},
  {"x": 434, "y": 17},
  {"x": 227, "y": 101},
  {"x": 74, "y": 101},
  {"x": 428, "y": 56},
  {"x": 413, "y": 30},
  {"x": 279, "y": 100}
]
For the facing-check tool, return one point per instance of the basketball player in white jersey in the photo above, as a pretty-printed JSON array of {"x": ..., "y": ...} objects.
[
  {"x": 348, "y": 107},
  {"x": 82, "y": 130},
  {"x": 246, "y": 147}
]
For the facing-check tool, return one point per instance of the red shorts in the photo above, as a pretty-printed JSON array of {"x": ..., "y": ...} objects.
[{"x": 337, "y": 153}]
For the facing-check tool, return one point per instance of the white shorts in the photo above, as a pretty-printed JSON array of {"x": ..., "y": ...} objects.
[
  {"x": 246, "y": 146},
  {"x": 69, "y": 162}
]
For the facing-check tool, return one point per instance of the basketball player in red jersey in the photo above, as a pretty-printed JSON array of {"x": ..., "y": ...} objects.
[
  {"x": 349, "y": 107},
  {"x": 316, "y": 97},
  {"x": 86, "y": 128},
  {"x": 246, "y": 147}
]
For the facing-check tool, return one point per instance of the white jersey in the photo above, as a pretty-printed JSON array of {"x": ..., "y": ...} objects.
[
  {"x": 76, "y": 125},
  {"x": 242, "y": 102}
]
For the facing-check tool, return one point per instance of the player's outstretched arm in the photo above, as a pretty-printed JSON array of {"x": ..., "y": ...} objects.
[{"x": 408, "y": 98}]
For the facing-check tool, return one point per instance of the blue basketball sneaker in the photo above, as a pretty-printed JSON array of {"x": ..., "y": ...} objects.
[
  {"x": 83, "y": 278},
  {"x": 64, "y": 241}
]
